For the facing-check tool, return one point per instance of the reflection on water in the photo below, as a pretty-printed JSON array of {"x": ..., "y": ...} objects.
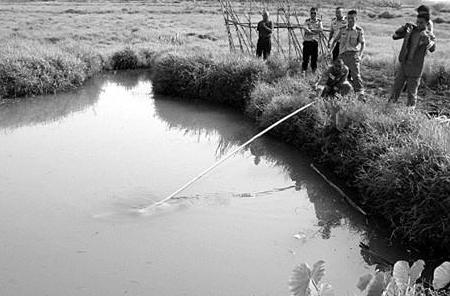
[
  {"x": 330, "y": 209},
  {"x": 75, "y": 167},
  {"x": 45, "y": 109}
]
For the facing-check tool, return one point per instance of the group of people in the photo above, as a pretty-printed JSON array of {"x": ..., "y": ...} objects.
[{"x": 347, "y": 43}]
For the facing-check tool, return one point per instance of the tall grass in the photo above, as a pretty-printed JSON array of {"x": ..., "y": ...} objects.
[
  {"x": 398, "y": 161},
  {"x": 31, "y": 68}
]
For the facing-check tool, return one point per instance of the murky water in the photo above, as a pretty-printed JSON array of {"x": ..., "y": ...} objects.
[{"x": 74, "y": 166}]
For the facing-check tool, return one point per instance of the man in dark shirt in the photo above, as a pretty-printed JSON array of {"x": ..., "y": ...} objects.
[
  {"x": 265, "y": 28},
  {"x": 416, "y": 41}
]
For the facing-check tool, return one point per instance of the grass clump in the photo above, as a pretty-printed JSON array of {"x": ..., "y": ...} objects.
[
  {"x": 124, "y": 59},
  {"x": 227, "y": 79},
  {"x": 32, "y": 68}
]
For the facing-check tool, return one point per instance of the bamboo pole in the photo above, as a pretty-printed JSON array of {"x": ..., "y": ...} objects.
[
  {"x": 250, "y": 26},
  {"x": 238, "y": 26},
  {"x": 229, "y": 14},
  {"x": 225, "y": 17},
  {"x": 287, "y": 16},
  {"x": 278, "y": 29},
  {"x": 163, "y": 201}
]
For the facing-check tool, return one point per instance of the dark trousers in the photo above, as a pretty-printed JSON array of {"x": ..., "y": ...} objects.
[
  {"x": 336, "y": 51},
  {"x": 263, "y": 47},
  {"x": 310, "y": 50}
]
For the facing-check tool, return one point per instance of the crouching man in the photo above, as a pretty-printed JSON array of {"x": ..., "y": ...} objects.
[
  {"x": 416, "y": 41},
  {"x": 334, "y": 81}
]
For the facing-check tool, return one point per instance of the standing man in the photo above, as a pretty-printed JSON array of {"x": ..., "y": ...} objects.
[
  {"x": 337, "y": 24},
  {"x": 313, "y": 28},
  {"x": 264, "y": 29},
  {"x": 351, "y": 48},
  {"x": 416, "y": 41}
]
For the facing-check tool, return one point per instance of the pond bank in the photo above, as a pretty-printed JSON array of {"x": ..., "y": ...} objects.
[{"x": 397, "y": 162}]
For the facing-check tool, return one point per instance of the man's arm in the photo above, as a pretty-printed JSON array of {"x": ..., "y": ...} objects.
[
  {"x": 306, "y": 28},
  {"x": 343, "y": 77},
  {"x": 337, "y": 39},
  {"x": 269, "y": 28},
  {"x": 362, "y": 41},
  {"x": 401, "y": 32},
  {"x": 319, "y": 30}
]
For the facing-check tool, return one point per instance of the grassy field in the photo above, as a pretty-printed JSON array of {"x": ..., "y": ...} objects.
[
  {"x": 398, "y": 162},
  {"x": 105, "y": 27}
]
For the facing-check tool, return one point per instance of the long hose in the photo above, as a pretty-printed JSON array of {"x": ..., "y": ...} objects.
[{"x": 227, "y": 156}]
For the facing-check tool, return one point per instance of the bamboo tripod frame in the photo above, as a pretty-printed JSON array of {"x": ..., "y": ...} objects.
[{"x": 287, "y": 35}]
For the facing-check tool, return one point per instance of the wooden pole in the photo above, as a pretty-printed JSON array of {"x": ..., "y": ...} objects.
[
  {"x": 287, "y": 15},
  {"x": 278, "y": 29},
  {"x": 250, "y": 26},
  {"x": 227, "y": 26}
]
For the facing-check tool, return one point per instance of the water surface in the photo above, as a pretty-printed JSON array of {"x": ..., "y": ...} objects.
[{"x": 74, "y": 166}]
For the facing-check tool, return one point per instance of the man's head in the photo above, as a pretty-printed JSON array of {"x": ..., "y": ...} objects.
[
  {"x": 339, "y": 13},
  {"x": 265, "y": 15},
  {"x": 352, "y": 18},
  {"x": 313, "y": 12},
  {"x": 422, "y": 21},
  {"x": 423, "y": 9},
  {"x": 338, "y": 63}
]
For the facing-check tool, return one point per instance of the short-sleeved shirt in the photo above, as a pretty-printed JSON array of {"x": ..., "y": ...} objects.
[
  {"x": 337, "y": 25},
  {"x": 312, "y": 25},
  {"x": 263, "y": 32},
  {"x": 350, "y": 39}
]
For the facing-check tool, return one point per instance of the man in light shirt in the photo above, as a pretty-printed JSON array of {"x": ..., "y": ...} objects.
[
  {"x": 351, "y": 48},
  {"x": 313, "y": 28},
  {"x": 337, "y": 24}
]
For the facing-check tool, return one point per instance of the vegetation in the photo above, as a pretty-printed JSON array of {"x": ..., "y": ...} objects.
[
  {"x": 30, "y": 68},
  {"x": 400, "y": 281}
]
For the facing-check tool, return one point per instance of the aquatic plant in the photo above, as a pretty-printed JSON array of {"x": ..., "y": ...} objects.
[{"x": 401, "y": 281}]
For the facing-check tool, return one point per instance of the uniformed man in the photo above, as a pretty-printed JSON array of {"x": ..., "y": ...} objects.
[
  {"x": 416, "y": 41},
  {"x": 334, "y": 80},
  {"x": 313, "y": 28},
  {"x": 351, "y": 48},
  {"x": 264, "y": 45},
  {"x": 337, "y": 24}
]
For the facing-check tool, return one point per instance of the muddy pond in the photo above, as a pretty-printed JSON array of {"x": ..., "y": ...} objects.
[{"x": 74, "y": 166}]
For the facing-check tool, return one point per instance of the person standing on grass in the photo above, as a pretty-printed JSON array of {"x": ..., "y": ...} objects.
[
  {"x": 337, "y": 24},
  {"x": 264, "y": 29},
  {"x": 313, "y": 28},
  {"x": 351, "y": 47},
  {"x": 417, "y": 40}
]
